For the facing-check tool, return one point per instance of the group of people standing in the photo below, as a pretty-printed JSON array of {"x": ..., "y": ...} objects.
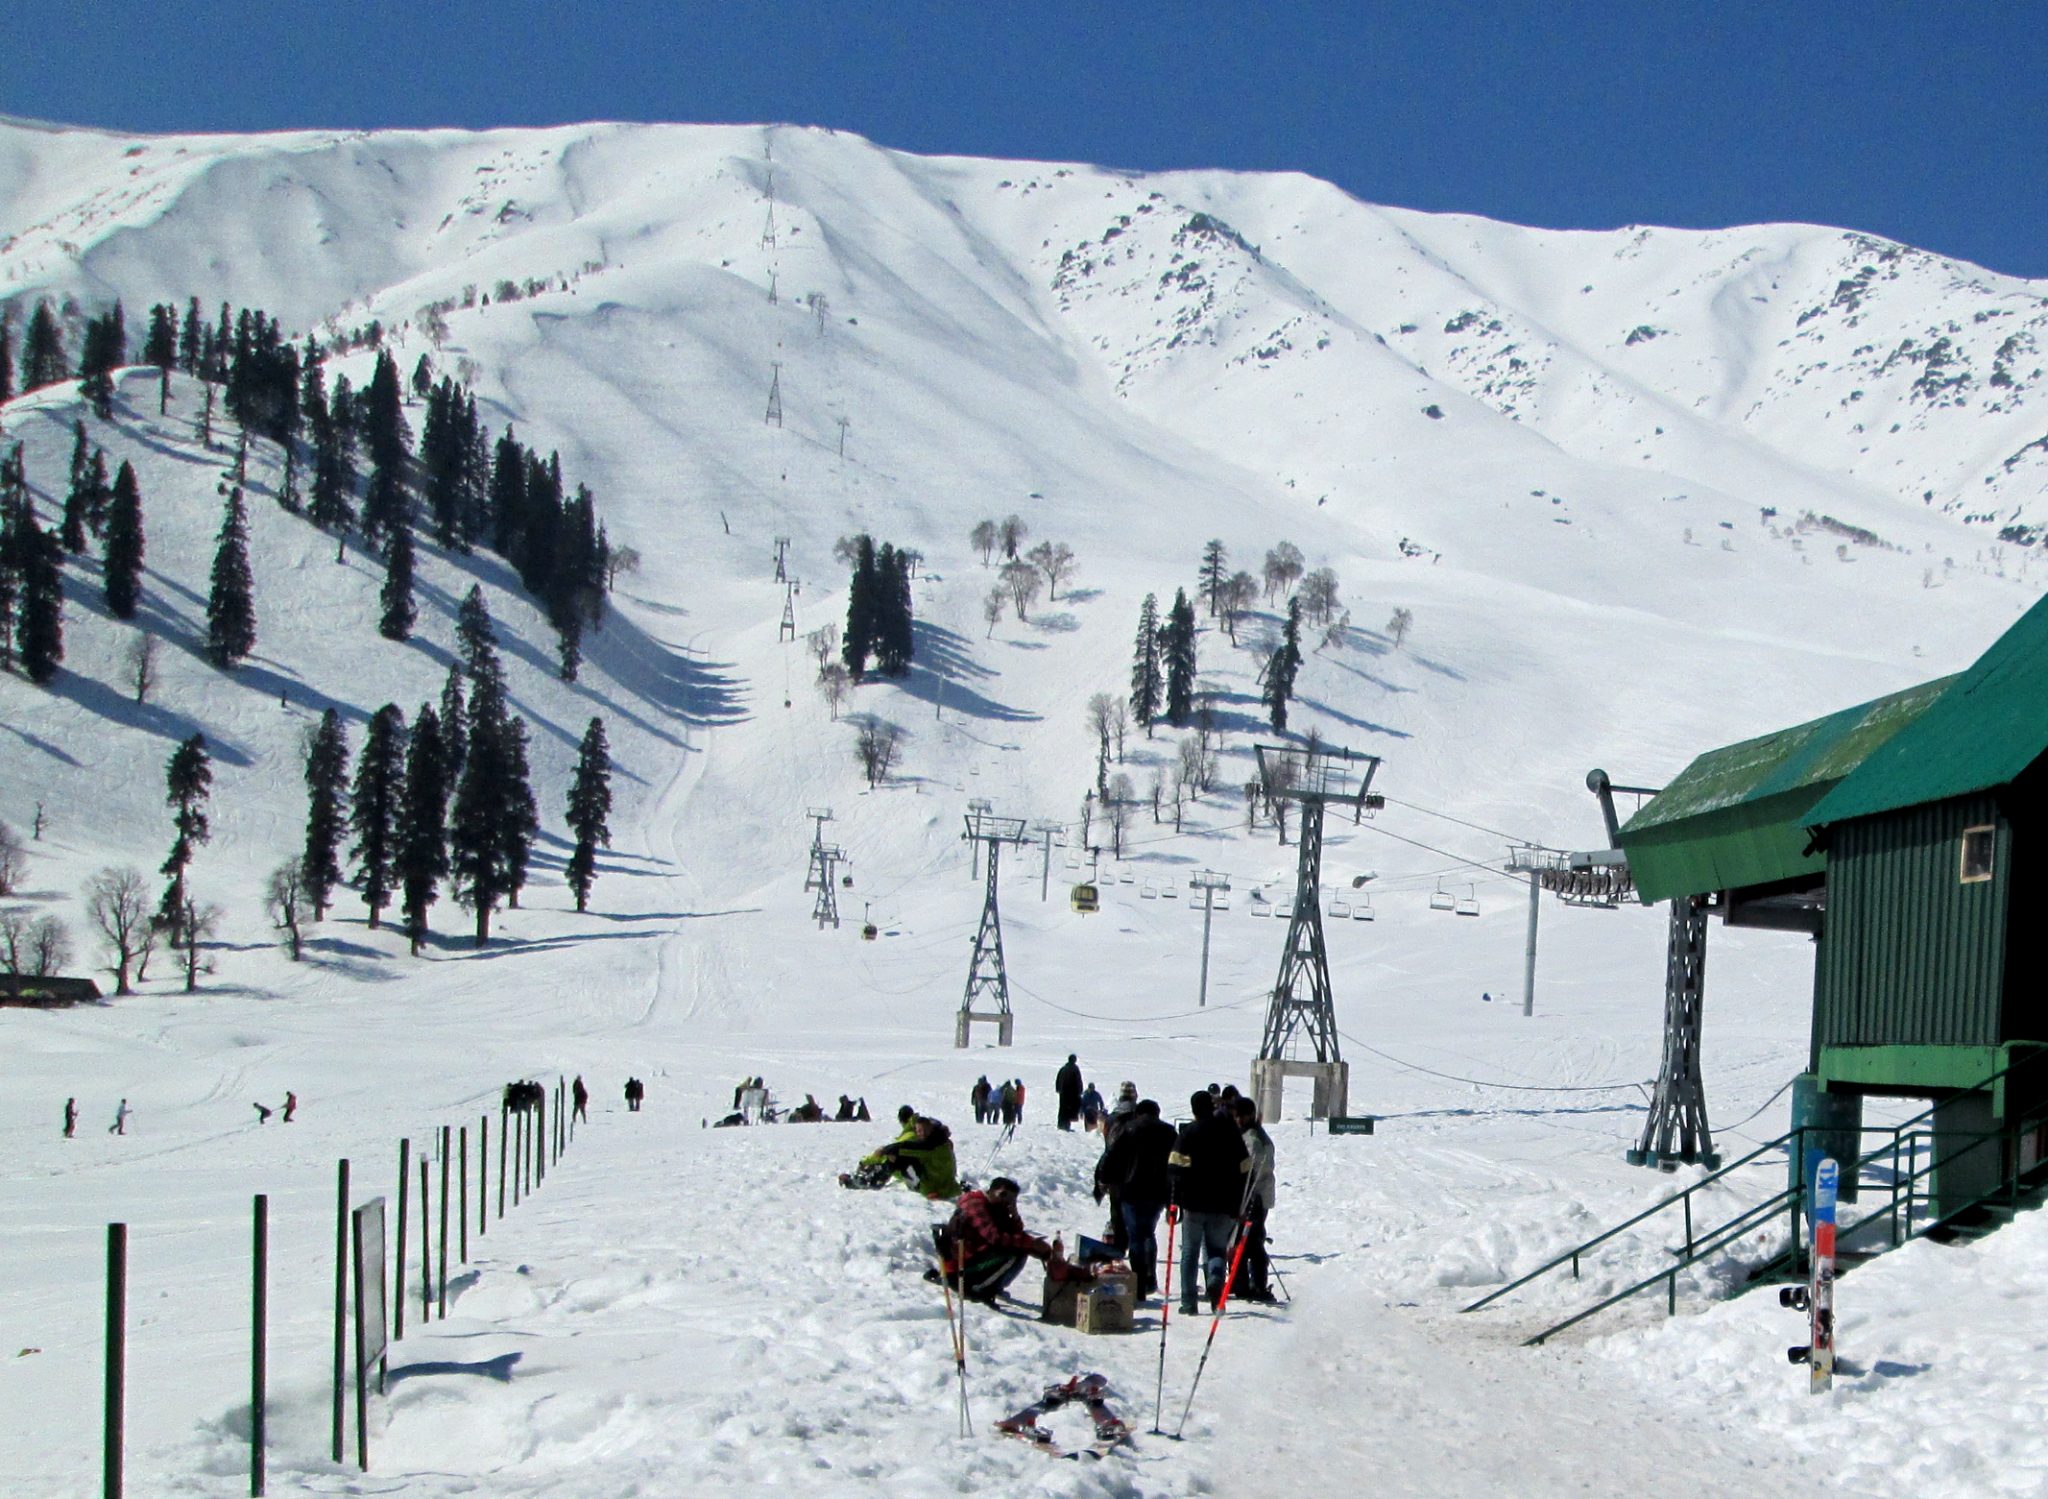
[
  {"x": 1214, "y": 1178},
  {"x": 997, "y": 1103}
]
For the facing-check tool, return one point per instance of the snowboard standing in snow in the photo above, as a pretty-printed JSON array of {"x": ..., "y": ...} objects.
[{"x": 1817, "y": 1297}]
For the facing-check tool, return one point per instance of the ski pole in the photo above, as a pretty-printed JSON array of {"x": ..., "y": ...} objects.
[
  {"x": 956, "y": 1331},
  {"x": 1214, "y": 1322},
  {"x": 1165, "y": 1308}
]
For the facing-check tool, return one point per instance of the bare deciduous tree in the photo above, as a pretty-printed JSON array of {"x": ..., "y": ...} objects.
[
  {"x": 1011, "y": 534},
  {"x": 285, "y": 899},
  {"x": 846, "y": 550},
  {"x": 875, "y": 746},
  {"x": 992, "y": 610},
  {"x": 1121, "y": 794},
  {"x": 1056, "y": 560},
  {"x": 49, "y": 947},
  {"x": 143, "y": 651},
  {"x": 620, "y": 562},
  {"x": 1283, "y": 565},
  {"x": 1119, "y": 725},
  {"x": 983, "y": 538},
  {"x": 200, "y": 923},
  {"x": 117, "y": 905},
  {"x": 1319, "y": 601},
  {"x": 834, "y": 683},
  {"x": 1101, "y": 721},
  {"x": 1240, "y": 591},
  {"x": 1020, "y": 582},
  {"x": 824, "y": 644},
  {"x": 1399, "y": 625},
  {"x": 1336, "y": 630},
  {"x": 13, "y": 862},
  {"x": 1192, "y": 765}
]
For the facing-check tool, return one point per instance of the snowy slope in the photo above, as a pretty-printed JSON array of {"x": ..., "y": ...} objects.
[{"x": 1614, "y": 556}]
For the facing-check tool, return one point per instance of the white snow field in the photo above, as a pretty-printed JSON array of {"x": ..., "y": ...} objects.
[{"x": 1644, "y": 493}]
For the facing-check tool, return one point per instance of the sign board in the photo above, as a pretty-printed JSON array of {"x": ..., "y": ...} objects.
[
  {"x": 371, "y": 1319},
  {"x": 1357, "y": 1124}
]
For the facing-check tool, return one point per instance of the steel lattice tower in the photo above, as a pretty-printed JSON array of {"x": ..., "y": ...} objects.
[
  {"x": 987, "y": 973},
  {"x": 1302, "y": 1005},
  {"x": 1676, "y": 1130}
]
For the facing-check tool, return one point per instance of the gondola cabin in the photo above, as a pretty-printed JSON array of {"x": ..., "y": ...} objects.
[{"x": 1085, "y": 899}]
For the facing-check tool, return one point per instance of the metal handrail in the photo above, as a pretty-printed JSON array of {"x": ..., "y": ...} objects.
[{"x": 1698, "y": 1247}]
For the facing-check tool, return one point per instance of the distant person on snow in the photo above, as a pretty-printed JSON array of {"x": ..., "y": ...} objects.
[
  {"x": 1113, "y": 1123},
  {"x": 845, "y": 1113},
  {"x": 291, "y": 1105},
  {"x": 1017, "y": 1084},
  {"x": 985, "y": 1243},
  {"x": 262, "y": 1114},
  {"x": 580, "y": 1097},
  {"x": 860, "y": 1111},
  {"x": 635, "y": 1091},
  {"x": 70, "y": 1117},
  {"x": 120, "y": 1124},
  {"x": 924, "y": 1161},
  {"x": 810, "y": 1111},
  {"x": 1067, "y": 1084},
  {"x": 1091, "y": 1108},
  {"x": 1006, "y": 1103},
  {"x": 978, "y": 1096}
]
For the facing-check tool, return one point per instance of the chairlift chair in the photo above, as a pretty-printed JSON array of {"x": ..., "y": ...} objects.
[
  {"x": 1085, "y": 898},
  {"x": 1363, "y": 911},
  {"x": 1339, "y": 909},
  {"x": 1469, "y": 906},
  {"x": 1146, "y": 892},
  {"x": 1442, "y": 899},
  {"x": 1167, "y": 892}
]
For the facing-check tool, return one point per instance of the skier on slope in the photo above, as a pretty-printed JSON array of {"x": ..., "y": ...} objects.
[
  {"x": 1067, "y": 1084},
  {"x": 988, "y": 1241},
  {"x": 580, "y": 1097},
  {"x": 1253, "y": 1277},
  {"x": 1207, "y": 1171},
  {"x": 70, "y": 1117}
]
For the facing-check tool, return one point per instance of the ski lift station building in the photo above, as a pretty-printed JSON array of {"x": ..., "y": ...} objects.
[{"x": 1906, "y": 835}]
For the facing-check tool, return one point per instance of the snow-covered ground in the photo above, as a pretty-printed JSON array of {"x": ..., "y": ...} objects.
[{"x": 1593, "y": 581}]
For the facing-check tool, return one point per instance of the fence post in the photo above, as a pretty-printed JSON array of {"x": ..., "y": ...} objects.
[
  {"x": 464, "y": 1235},
  {"x": 443, "y": 1254},
  {"x": 519, "y": 1117},
  {"x": 341, "y": 1299},
  {"x": 404, "y": 1196},
  {"x": 117, "y": 1357},
  {"x": 504, "y": 1141},
  {"x": 259, "y": 1323},
  {"x": 426, "y": 1250},
  {"x": 483, "y": 1174},
  {"x": 540, "y": 1142}
]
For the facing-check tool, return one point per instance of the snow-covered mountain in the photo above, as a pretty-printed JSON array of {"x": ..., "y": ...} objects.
[{"x": 1643, "y": 492}]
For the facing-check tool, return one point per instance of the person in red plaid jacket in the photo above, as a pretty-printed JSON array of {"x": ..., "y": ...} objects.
[{"x": 985, "y": 1244}]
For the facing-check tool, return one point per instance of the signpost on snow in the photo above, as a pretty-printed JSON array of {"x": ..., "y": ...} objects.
[{"x": 1817, "y": 1298}]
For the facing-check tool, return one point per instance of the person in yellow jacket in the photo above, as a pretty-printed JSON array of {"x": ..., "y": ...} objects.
[{"x": 922, "y": 1156}]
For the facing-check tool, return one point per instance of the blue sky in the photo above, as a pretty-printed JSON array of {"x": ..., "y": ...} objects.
[{"x": 1924, "y": 122}]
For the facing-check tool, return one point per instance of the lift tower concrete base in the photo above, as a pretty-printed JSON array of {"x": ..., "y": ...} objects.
[{"x": 1302, "y": 1009}]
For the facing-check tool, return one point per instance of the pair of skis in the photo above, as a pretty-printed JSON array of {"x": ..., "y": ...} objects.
[{"x": 1091, "y": 1390}]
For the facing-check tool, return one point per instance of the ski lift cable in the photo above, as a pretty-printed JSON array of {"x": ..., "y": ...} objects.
[
  {"x": 1214, "y": 1009},
  {"x": 1461, "y": 822},
  {"x": 1643, "y": 1087}
]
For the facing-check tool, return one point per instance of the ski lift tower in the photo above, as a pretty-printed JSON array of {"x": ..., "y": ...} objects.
[
  {"x": 986, "y": 974},
  {"x": 824, "y": 859},
  {"x": 1314, "y": 775}
]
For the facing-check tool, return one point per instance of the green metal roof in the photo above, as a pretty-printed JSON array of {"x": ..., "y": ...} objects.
[
  {"x": 1738, "y": 815},
  {"x": 1984, "y": 733}
]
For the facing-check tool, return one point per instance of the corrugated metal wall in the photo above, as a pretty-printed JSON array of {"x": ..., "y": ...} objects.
[{"x": 1915, "y": 957}]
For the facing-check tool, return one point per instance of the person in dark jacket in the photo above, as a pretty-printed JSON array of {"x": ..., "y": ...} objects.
[
  {"x": 1254, "y": 1280},
  {"x": 1067, "y": 1084},
  {"x": 986, "y": 1243},
  {"x": 1209, "y": 1170},
  {"x": 579, "y": 1098},
  {"x": 978, "y": 1095},
  {"x": 1134, "y": 1170},
  {"x": 1125, "y": 1111}
]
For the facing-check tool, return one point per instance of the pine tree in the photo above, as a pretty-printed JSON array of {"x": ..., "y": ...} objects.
[
  {"x": 334, "y": 464},
  {"x": 454, "y": 722},
  {"x": 6, "y": 357},
  {"x": 1215, "y": 571},
  {"x": 494, "y": 819},
  {"x": 105, "y": 350},
  {"x": 1177, "y": 646},
  {"x": 160, "y": 345},
  {"x": 377, "y": 800},
  {"x": 123, "y": 560},
  {"x": 590, "y": 804},
  {"x": 188, "y": 783},
  {"x": 78, "y": 499},
  {"x": 17, "y": 518},
  {"x": 1146, "y": 684},
  {"x": 522, "y": 812},
  {"x": 423, "y": 837},
  {"x": 399, "y": 609},
  {"x": 859, "y": 641},
  {"x": 42, "y": 350},
  {"x": 192, "y": 341},
  {"x": 40, "y": 633},
  {"x": 476, "y": 646},
  {"x": 1282, "y": 666},
  {"x": 326, "y": 794},
  {"x": 385, "y": 506},
  {"x": 895, "y": 632},
  {"x": 231, "y": 603}
]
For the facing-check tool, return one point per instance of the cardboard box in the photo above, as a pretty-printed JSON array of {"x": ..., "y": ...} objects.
[
  {"x": 1107, "y": 1308},
  {"x": 1062, "y": 1297}
]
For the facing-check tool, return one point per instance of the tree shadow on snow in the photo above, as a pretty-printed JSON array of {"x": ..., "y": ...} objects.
[
  {"x": 499, "y": 1368},
  {"x": 939, "y": 673}
]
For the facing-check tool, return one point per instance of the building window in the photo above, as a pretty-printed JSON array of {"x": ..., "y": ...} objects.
[{"x": 1980, "y": 848}]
